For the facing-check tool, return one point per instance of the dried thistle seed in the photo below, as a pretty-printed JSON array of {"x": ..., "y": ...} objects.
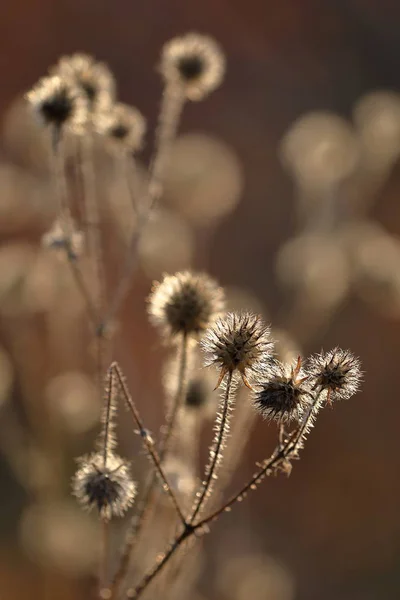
[
  {"x": 338, "y": 372},
  {"x": 57, "y": 101},
  {"x": 93, "y": 78},
  {"x": 194, "y": 61},
  {"x": 185, "y": 303},
  {"x": 124, "y": 126},
  {"x": 237, "y": 341},
  {"x": 284, "y": 394},
  {"x": 106, "y": 487}
]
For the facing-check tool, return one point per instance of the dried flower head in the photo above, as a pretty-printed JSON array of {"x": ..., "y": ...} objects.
[
  {"x": 237, "y": 341},
  {"x": 285, "y": 392},
  {"x": 194, "y": 61},
  {"x": 64, "y": 238},
  {"x": 185, "y": 303},
  {"x": 338, "y": 372},
  {"x": 122, "y": 125},
  {"x": 57, "y": 101},
  {"x": 93, "y": 78},
  {"x": 106, "y": 487}
]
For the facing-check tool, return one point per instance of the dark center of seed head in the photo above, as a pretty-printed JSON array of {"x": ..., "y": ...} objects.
[
  {"x": 119, "y": 131},
  {"x": 57, "y": 110},
  {"x": 89, "y": 89},
  {"x": 191, "y": 67}
]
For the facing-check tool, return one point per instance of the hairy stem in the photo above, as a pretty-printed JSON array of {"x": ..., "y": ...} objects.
[
  {"x": 281, "y": 455},
  {"x": 216, "y": 450},
  {"x": 147, "y": 501}
]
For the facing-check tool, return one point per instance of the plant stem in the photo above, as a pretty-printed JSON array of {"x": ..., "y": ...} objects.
[
  {"x": 65, "y": 223},
  {"x": 149, "y": 444},
  {"x": 215, "y": 452},
  {"x": 281, "y": 455},
  {"x": 147, "y": 502},
  {"x": 171, "y": 108}
]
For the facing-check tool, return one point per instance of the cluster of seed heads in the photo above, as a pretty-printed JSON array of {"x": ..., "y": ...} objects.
[{"x": 188, "y": 309}]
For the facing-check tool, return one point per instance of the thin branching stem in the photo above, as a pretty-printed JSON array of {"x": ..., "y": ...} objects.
[
  {"x": 147, "y": 441},
  {"x": 146, "y": 503},
  {"x": 215, "y": 452},
  {"x": 171, "y": 109},
  {"x": 66, "y": 226},
  {"x": 279, "y": 458},
  {"x": 93, "y": 230}
]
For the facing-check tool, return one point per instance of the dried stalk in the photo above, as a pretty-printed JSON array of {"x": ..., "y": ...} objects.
[{"x": 280, "y": 459}]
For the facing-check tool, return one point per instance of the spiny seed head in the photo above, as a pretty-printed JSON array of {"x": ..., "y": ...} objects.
[
  {"x": 185, "y": 303},
  {"x": 109, "y": 489},
  {"x": 194, "y": 61},
  {"x": 124, "y": 126},
  {"x": 59, "y": 102},
  {"x": 237, "y": 341},
  {"x": 338, "y": 372},
  {"x": 285, "y": 392},
  {"x": 93, "y": 78}
]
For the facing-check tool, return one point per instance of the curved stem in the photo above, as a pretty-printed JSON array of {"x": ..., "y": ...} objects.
[
  {"x": 147, "y": 502},
  {"x": 281, "y": 455},
  {"x": 149, "y": 444}
]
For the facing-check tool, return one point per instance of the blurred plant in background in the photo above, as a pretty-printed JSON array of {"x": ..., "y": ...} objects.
[{"x": 60, "y": 263}]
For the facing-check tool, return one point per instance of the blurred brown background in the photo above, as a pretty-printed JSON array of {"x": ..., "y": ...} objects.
[{"x": 334, "y": 525}]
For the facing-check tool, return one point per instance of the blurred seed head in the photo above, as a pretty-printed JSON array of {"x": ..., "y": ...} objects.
[
  {"x": 317, "y": 266},
  {"x": 204, "y": 179},
  {"x": 179, "y": 477},
  {"x": 93, "y": 78},
  {"x": 237, "y": 341},
  {"x": 195, "y": 62},
  {"x": 109, "y": 489},
  {"x": 72, "y": 398},
  {"x": 122, "y": 126},
  {"x": 321, "y": 150},
  {"x": 185, "y": 303},
  {"x": 377, "y": 118},
  {"x": 284, "y": 393},
  {"x": 27, "y": 279},
  {"x": 338, "y": 372},
  {"x": 57, "y": 101},
  {"x": 255, "y": 577},
  {"x": 375, "y": 256},
  {"x": 168, "y": 245},
  {"x": 58, "y": 534}
]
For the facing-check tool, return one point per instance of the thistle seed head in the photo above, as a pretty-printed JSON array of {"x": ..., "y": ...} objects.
[
  {"x": 338, "y": 372},
  {"x": 285, "y": 392},
  {"x": 94, "y": 79},
  {"x": 237, "y": 341},
  {"x": 124, "y": 126},
  {"x": 59, "y": 102},
  {"x": 107, "y": 488},
  {"x": 185, "y": 303},
  {"x": 194, "y": 61}
]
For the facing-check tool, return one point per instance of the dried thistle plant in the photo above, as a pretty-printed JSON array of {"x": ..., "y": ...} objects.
[{"x": 188, "y": 311}]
